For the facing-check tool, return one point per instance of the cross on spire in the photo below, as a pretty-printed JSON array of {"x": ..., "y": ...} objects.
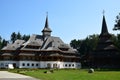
[
  {"x": 103, "y": 12},
  {"x": 47, "y": 13}
]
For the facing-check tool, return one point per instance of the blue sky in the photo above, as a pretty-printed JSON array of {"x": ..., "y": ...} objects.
[{"x": 68, "y": 19}]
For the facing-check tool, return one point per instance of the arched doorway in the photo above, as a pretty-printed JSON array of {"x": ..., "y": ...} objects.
[
  {"x": 48, "y": 65},
  {"x": 55, "y": 65}
]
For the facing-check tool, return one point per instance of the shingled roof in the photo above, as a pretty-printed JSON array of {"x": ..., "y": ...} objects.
[
  {"x": 44, "y": 42},
  {"x": 14, "y": 46}
]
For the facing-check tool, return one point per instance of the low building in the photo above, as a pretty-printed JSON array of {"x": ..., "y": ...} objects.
[{"x": 40, "y": 51}]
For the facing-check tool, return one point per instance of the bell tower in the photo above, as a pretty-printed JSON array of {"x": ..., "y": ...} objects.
[{"x": 46, "y": 32}]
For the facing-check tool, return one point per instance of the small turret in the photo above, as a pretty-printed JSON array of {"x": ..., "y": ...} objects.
[{"x": 46, "y": 31}]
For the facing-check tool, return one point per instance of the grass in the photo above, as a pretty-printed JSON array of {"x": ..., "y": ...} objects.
[{"x": 70, "y": 74}]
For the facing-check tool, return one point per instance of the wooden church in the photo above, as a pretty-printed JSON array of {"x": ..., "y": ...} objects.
[{"x": 106, "y": 54}]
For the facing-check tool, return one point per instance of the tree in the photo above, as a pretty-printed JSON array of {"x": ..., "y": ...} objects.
[
  {"x": 19, "y": 35},
  {"x": 116, "y": 40},
  {"x": 85, "y": 46},
  {"x": 117, "y": 23},
  {"x": 13, "y": 37},
  {"x": 25, "y": 37},
  {"x": 4, "y": 43},
  {"x": 75, "y": 43},
  {"x": 0, "y": 42}
]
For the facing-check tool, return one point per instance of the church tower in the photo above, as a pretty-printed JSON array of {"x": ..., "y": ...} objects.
[
  {"x": 104, "y": 37},
  {"x": 106, "y": 54},
  {"x": 46, "y": 31}
]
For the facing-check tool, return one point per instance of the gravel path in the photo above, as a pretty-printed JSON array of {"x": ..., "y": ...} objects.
[{"x": 5, "y": 75}]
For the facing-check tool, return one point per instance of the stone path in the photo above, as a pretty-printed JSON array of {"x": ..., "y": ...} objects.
[{"x": 5, "y": 75}]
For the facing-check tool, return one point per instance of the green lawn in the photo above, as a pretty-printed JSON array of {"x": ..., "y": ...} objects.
[{"x": 72, "y": 74}]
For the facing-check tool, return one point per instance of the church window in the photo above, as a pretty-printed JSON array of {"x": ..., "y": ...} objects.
[
  {"x": 32, "y": 64},
  {"x": 72, "y": 65},
  {"x": 23, "y": 64},
  {"x": 28, "y": 64},
  {"x": 69, "y": 65},
  {"x": 48, "y": 65},
  {"x": 65, "y": 65},
  {"x": 55, "y": 65},
  {"x": 37, "y": 64},
  {"x": 2, "y": 64}
]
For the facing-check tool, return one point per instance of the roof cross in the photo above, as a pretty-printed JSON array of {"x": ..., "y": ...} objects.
[
  {"x": 103, "y": 12},
  {"x": 47, "y": 13}
]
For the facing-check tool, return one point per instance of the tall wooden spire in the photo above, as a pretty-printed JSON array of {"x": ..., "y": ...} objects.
[
  {"x": 104, "y": 35},
  {"x": 46, "y": 22},
  {"x": 104, "y": 26},
  {"x": 46, "y": 31},
  {"x": 104, "y": 30}
]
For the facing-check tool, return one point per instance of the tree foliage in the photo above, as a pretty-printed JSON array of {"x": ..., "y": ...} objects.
[
  {"x": 3, "y": 42},
  {"x": 117, "y": 23},
  {"x": 87, "y": 45},
  {"x": 25, "y": 37},
  {"x": 116, "y": 40},
  {"x": 19, "y": 36},
  {"x": 15, "y": 36}
]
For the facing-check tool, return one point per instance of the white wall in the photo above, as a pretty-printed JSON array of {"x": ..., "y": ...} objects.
[
  {"x": 4, "y": 64},
  {"x": 32, "y": 64},
  {"x": 40, "y": 64},
  {"x": 70, "y": 65},
  {"x": 44, "y": 64}
]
